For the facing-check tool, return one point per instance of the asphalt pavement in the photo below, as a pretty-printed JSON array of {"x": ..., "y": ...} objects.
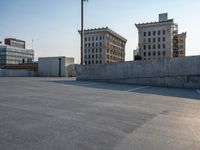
[{"x": 64, "y": 114}]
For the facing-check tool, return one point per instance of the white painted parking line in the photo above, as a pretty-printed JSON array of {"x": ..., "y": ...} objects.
[
  {"x": 198, "y": 91},
  {"x": 135, "y": 89}
]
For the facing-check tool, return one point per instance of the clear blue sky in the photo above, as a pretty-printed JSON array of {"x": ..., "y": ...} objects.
[{"x": 53, "y": 24}]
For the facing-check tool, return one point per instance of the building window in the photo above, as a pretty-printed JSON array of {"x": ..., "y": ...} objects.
[
  {"x": 158, "y": 46},
  {"x": 154, "y": 33},
  {"x": 163, "y": 53},
  {"x": 96, "y": 55},
  {"x": 144, "y": 53},
  {"x": 92, "y": 50},
  {"x": 96, "y": 38},
  {"x": 100, "y": 43},
  {"x": 149, "y": 33},
  {"x": 158, "y": 32},
  {"x": 149, "y": 47},
  {"x": 149, "y": 53},
  {"x": 100, "y": 50},
  {"x": 89, "y": 44},
  {"x": 158, "y": 39},
  {"x": 85, "y": 56},
  {"x": 92, "y": 61},
  {"x": 181, "y": 52},
  {"x": 97, "y": 50},
  {"x": 154, "y": 53},
  {"x": 86, "y": 62},
  {"x": 93, "y": 44},
  {"x": 158, "y": 53},
  {"x": 144, "y": 33},
  {"x": 144, "y": 47},
  {"x": 86, "y": 39},
  {"x": 149, "y": 40},
  {"x": 100, "y": 38},
  {"x": 154, "y": 40},
  {"x": 88, "y": 56},
  {"x": 164, "y": 39},
  {"x": 85, "y": 45},
  {"x": 92, "y": 38},
  {"x": 164, "y": 46},
  {"x": 164, "y": 32},
  {"x": 92, "y": 56},
  {"x": 96, "y": 44},
  {"x": 154, "y": 46}
]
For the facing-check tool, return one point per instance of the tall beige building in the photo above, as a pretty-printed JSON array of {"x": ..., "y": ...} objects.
[
  {"x": 103, "y": 45},
  {"x": 157, "y": 40},
  {"x": 179, "y": 45}
]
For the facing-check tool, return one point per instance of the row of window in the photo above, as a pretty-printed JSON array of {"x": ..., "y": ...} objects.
[
  {"x": 93, "y": 56},
  {"x": 94, "y": 38},
  {"x": 154, "y": 40},
  {"x": 114, "y": 58},
  {"x": 154, "y": 33},
  {"x": 154, "y": 53},
  {"x": 149, "y": 47},
  {"x": 93, "y": 44},
  {"x": 93, "y": 62},
  {"x": 93, "y": 50}
]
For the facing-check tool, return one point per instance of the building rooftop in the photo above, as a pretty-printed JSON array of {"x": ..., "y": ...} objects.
[
  {"x": 104, "y": 29},
  {"x": 5, "y": 45},
  {"x": 14, "y": 39},
  {"x": 155, "y": 23}
]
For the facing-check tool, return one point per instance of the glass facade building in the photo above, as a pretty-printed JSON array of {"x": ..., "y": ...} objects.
[{"x": 14, "y": 55}]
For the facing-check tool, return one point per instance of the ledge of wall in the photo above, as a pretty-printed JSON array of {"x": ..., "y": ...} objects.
[{"x": 175, "y": 72}]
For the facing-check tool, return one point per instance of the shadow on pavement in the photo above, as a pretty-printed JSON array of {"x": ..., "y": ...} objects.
[{"x": 162, "y": 91}]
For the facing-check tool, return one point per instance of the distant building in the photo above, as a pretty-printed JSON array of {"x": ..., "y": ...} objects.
[
  {"x": 103, "y": 45},
  {"x": 136, "y": 55},
  {"x": 54, "y": 66},
  {"x": 14, "y": 52},
  {"x": 160, "y": 39},
  {"x": 15, "y": 43},
  {"x": 179, "y": 46}
]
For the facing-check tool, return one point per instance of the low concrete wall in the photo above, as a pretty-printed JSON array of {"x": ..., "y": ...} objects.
[
  {"x": 17, "y": 73},
  {"x": 176, "y": 72}
]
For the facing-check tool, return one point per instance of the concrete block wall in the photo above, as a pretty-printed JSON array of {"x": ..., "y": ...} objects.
[
  {"x": 175, "y": 72},
  {"x": 17, "y": 73}
]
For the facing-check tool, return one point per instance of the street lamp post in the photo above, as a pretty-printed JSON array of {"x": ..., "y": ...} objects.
[{"x": 82, "y": 32}]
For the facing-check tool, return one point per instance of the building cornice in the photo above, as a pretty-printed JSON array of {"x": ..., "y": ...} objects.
[
  {"x": 106, "y": 29},
  {"x": 139, "y": 25}
]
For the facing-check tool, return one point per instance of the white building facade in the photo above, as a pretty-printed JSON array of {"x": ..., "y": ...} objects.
[
  {"x": 156, "y": 39},
  {"x": 103, "y": 45}
]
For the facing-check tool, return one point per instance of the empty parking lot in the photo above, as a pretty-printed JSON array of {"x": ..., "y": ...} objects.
[{"x": 64, "y": 114}]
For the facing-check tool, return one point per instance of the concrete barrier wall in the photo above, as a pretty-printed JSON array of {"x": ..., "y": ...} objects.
[
  {"x": 17, "y": 73},
  {"x": 176, "y": 72}
]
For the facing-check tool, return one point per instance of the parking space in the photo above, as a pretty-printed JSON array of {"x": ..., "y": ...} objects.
[{"x": 62, "y": 113}]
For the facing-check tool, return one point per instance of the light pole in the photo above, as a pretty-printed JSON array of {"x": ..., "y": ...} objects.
[{"x": 82, "y": 32}]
